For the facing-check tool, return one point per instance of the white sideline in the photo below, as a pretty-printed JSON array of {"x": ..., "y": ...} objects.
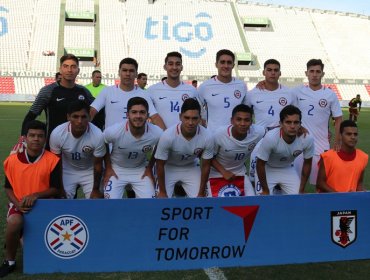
[{"x": 214, "y": 273}]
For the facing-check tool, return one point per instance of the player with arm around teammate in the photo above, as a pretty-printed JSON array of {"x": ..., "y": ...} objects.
[
  {"x": 233, "y": 145},
  {"x": 277, "y": 152},
  {"x": 178, "y": 150},
  {"x": 317, "y": 104},
  {"x": 267, "y": 102},
  {"x": 169, "y": 95},
  {"x": 81, "y": 147},
  {"x": 23, "y": 188},
  {"x": 114, "y": 98},
  {"x": 132, "y": 141},
  {"x": 343, "y": 171},
  {"x": 219, "y": 95},
  {"x": 56, "y": 97}
]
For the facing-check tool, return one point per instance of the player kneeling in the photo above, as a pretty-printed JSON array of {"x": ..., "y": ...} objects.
[
  {"x": 132, "y": 142},
  {"x": 23, "y": 188},
  {"x": 82, "y": 148},
  {"x": 276, "y": 154},
  {"x": 233, "y": 145},
  {"x": 178, "y": 151}
]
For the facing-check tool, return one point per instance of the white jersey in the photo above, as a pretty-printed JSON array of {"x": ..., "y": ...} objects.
[
  {"x": 114, "y": 99},
  {"x": 232, "y": 153},
  {"x": 168, "y": 100},
  {"x": 129, "y": 151},
  {"x": 278, "y": 153},
  {"x": 268, "y": 104},
  {"x": 178, "y": 151},
  {"x": 220, "y": 99},
  {"x": 77, "y": 153},
  {"x": 316, "y": 107}
]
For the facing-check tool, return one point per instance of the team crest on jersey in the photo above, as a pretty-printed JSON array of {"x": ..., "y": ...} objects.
[
  {"x": 323, "y": 103},
  {"x": 283, "y": 101},
  {"x": 81, "y": 97},
  {"x": 66, "y": 236},
  {"x": 251, "y": 146},
  {"x": 184, "y": 97},
  {"x": 297, "y": 153},
  {"x": 87, "y": 149},
  {"x": 147, "y": 148},
  {"x": 237, "y": 94},
  {"x": 229, "y": 190},
  {"x": 198, "y": 151},
  {"x": 344, "y": 227}
]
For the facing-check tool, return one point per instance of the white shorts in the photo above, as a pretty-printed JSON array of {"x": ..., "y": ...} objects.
[
  {"x": 189, "y": 176},
  {"x": 286, "y": 177},
  {"x": 72, "y": 181},
  {"x": 298, "y": 163},
  {"x": 143, "y": 188}
]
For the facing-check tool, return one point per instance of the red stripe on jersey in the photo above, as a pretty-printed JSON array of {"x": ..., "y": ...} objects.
[
  {"x": 69, "y": 127},
  {"x": 281, "y": 133},
  {"x": 126, "y": 126},
  {"x": 198, "y": 129},
  {"x": 229, "y": 130},
  {"x": 177, "y": 129}
]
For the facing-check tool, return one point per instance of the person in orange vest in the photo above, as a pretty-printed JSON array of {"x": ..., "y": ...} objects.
[
  {"x": 23, "y": 187},
  {"x": 343, "y": 171}
]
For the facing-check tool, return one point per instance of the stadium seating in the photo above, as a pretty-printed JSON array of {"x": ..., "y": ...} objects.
[
  {"x": 113, "y": 46},
  {"x": 154, "y": 30},
  {"x": 80, "y": 5},
  {"x": 7, "y": 85},
  {"x": 14, "y": 45},
  {"x": 293, "y": 41},
  {"x": 334, "y": 88},
  {"x": 368, "y": 89},
  {"x": 343, "y": 38},
  {"x": 350, "y": 91},
  {"x": 196, "y": 28}
]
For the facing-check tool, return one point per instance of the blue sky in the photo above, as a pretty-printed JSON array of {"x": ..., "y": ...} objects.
[{"x": 355, "y": 6}]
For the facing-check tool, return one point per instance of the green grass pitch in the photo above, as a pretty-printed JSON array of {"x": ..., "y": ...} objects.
[{"x": 11, "y": 117}]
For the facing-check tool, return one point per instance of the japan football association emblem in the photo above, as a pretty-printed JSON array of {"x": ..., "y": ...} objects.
[
  {"x": 66, "y": 236},
  {"x": 343, "y": 227}
]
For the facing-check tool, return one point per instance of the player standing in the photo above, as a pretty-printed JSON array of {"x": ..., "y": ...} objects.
[
  {"x": 82, "y": 148},
  {"x": 132, "y": 141},
  {"x": 267, "y": 103},
  {"x": 317, "y": 104},
  {"x": 233, "y": 145},
  {"x": 95, "y": 87},
  {"x": 353, "y": 110},
  {"x": 114, "y": 98},
  {"x": 178, "y": 150},
  {"x": 277, "y": 152},
  {"x": 169, "y": 95},
  {"x": 56, "y": 97},
  {"x": 142, "y": 80},
  {"x": 219, "y": 95}
]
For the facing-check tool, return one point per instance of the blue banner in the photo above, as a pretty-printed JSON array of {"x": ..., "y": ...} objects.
[{"x": 172, "y": 234}]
